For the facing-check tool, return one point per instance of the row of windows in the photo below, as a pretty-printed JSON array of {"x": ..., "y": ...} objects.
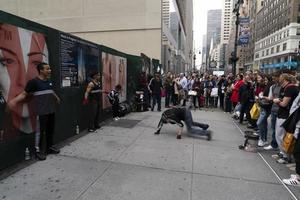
[
  {"x": 275, "y": 38},
  {"x": 271, "y": 51}
]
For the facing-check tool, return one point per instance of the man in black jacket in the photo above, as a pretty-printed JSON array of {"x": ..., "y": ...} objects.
[
  {"x": 176, "y": 116},
  {"x": 246, "y": 98},
  {"x": 155, "y": 86}
]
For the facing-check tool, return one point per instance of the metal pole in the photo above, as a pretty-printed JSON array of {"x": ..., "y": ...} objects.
[{"x": 234, "y": 59}]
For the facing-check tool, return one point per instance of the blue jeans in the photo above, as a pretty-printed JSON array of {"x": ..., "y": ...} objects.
[
  {"x": 273, "y": 125},
  {"x": 262, "y": 124},
  {"x": 194, "y": 127}
]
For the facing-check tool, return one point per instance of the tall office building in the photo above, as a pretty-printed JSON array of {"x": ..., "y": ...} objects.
[
  {"x": 278, "y": 35},
  {"x": 213, "y": 33}
]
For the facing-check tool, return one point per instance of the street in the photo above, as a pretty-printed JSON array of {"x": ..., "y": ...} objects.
[{"x": 117, "y": 163}]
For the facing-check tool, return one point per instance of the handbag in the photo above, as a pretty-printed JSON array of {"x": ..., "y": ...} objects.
[
  {"x": 255, "y": 111},
  {"x": 288, "y": 143}
]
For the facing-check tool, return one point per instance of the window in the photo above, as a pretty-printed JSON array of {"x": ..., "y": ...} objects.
[
  {"x": 263, "y": 53},
  {"x": 298, "y": 31},
  {"x": 278, "y": 48},
  {"x": 267, "y": 52},
  {"x": 272, "y": 50},
  {"x": 284, "y": 47}
]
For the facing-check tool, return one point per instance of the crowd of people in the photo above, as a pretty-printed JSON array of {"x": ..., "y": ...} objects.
[{"x": 276, "y": 95}]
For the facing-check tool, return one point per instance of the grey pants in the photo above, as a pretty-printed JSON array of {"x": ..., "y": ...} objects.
[{"x": 279, "y": 134}]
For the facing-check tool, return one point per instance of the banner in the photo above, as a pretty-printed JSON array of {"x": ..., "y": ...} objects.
[
  {"x": 114, "y": 73},
  {"x": 78, "y": 60},
  {"x": 20, "y": 52},
  {"x": 244, "y": 34}
]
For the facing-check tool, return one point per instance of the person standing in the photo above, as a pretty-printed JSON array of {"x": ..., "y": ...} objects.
[
  {"x": 45, "y": 101},
  {"x": 184, "y": 86},
  {"x": 168, "y": 85},
  {"x": 113, "y": 97},
  {"x": 155, "y": 86},
  {"x": 287, "y": 95},
  {"x": 92, "y": 95}
]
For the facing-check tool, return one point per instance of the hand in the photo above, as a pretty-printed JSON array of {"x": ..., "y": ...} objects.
[
  {"x": 85, "y": 101},
  {"x": 277, "y": 100}
]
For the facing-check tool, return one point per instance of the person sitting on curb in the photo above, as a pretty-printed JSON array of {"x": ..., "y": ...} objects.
[
  {"x": 176, "y": 115},
  {"x": 113, "y": 97}
]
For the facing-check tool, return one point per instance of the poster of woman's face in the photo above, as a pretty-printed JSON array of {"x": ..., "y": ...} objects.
[
  {"x": 114, "y": 73},
  {"x": 20, "y": 51}
]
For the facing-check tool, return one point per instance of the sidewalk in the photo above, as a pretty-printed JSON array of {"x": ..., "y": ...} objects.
[{"x": 132, "y": 163}]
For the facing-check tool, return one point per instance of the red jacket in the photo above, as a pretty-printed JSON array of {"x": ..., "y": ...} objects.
[{"x": 235, "y": 92}]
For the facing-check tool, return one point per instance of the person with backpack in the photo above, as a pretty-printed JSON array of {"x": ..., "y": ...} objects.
[{"x": 113, "y": 97}]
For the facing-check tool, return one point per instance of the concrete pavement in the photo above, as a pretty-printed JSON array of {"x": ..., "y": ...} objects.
[{"x": 132, "y": 163}]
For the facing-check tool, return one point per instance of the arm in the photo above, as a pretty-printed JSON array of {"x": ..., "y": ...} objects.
[
  {"x": 13, "y": 103},
  {"x": 87, "y": 92}
]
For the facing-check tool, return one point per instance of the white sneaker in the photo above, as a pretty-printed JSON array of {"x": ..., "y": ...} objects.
[
  {"x": 293, "y": 181},
  {"x": 260, "y": 143},
  {"x": 115, "y": 119},
  {"x": 269, "y": 147}
]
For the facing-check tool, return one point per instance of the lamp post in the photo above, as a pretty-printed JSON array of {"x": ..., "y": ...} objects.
[
  {"x": 193, "y": 56},
  {"x": 234, "y": 57}
]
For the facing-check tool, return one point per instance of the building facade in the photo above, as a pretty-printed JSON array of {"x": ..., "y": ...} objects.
[
  {"x": 134, "y": 27},
  {"x": 213, "y": 34},
  {"x": 278, "y": 35}
]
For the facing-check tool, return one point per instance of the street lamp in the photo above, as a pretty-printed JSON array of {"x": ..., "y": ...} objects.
[
  {"x": 192, "y": 54},
  {"x": 234, "y": 57}
]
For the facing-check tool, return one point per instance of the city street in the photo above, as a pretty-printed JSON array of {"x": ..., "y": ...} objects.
[{"x": 118, "y": 163}]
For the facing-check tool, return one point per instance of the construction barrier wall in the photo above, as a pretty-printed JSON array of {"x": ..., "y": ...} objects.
[{"x": 23, "y": 44}]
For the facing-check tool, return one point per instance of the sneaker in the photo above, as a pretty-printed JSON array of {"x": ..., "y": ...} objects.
[
  {"x": 115, "y": 119},
  {"x": 178, "y": 137},
  {"x": 260, "y": 143},
  {"x": 205, "y": 127},
  {"x": 269, "y": 147},
  {"x": 40, "y": 156},
  {"x": 157, "y": 132},
  {"x": 293, "y": 181},
  {"x": 53, "y": 150},
  {"x": 91, "y": 130},
  {"x": 278, "y": 155},
  {"x": 283, "y": 161}
]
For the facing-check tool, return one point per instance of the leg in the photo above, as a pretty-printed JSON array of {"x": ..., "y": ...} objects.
[
  {"x": 203, "y": 126},
  {"x": 159, "y": 126},
  {"x": 273, "y": 125},
  {"x": 158, "y": 102},
  {"x": 96, "y": 118},
  {"x": 153, "y": 101},
  {"x": 280, "y": 132}
]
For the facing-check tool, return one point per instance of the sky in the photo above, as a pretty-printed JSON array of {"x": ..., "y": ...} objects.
[{"x": 200, "y": 20}]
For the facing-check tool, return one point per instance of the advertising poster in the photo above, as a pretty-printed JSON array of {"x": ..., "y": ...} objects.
[
  {"x": 20, "y": 52},
  {"x": 78, "y": 60},
  {"x": 244, "y": 35},
  {"x": 114, "y": 73}
]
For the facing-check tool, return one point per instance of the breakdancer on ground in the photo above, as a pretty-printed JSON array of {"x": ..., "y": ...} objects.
[{"x": 178, "y": 114}]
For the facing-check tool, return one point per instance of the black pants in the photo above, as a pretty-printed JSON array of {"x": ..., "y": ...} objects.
[
  {"x": 168, "y": 97},
  {"x": 115, "y": 110},
  {"x": 96, "y": 112},
  {"x": 221, "y": 97},
  {"x": 245, "y": 108},
  {"x": 297, "y": 155},
  {"x": 46, "y": 131}
]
